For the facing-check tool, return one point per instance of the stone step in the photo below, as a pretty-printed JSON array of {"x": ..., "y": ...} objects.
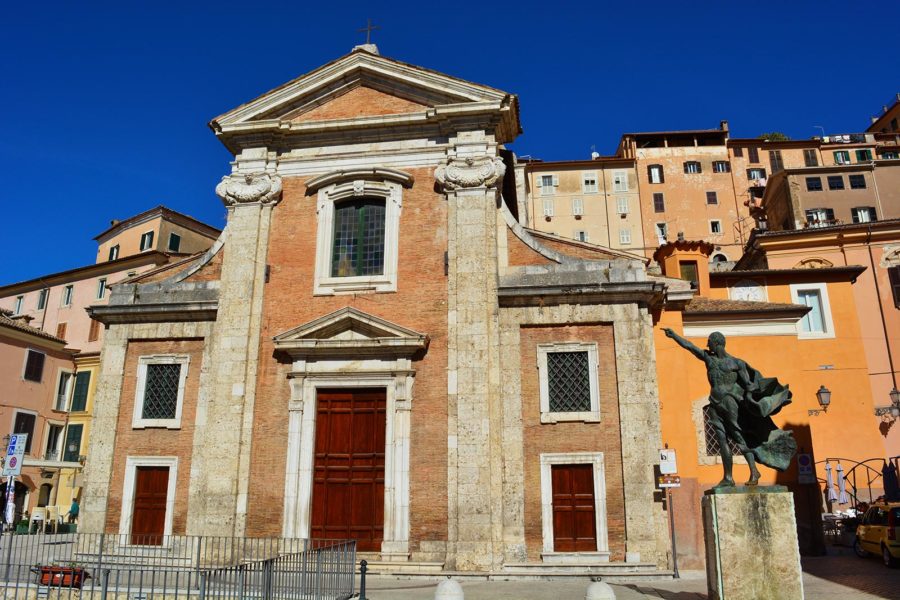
[{"x": 611, "y": 572}]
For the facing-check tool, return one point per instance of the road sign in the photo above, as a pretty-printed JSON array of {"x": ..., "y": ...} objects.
[
  {"x": 15, "y": 453},
  {"x": 805, "y": 469},
  {"x": 669, "y": 481},
  {"x": 667, "y": 464}
]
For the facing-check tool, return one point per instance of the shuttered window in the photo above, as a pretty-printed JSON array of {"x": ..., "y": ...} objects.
[
  {"x": 34, "y": 366},
  {"x": 24, "y": 423},
  {"x": 79, "y": 396}
]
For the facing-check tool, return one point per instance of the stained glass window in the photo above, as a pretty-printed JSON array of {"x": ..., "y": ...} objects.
[
  {"x": 161, "y": 391},
  {"x": 569, "y": 382},
  {"x": 358, "y": 238}
]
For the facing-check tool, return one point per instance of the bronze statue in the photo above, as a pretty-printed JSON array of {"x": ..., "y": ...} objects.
[{"x": 743, "y": 402}]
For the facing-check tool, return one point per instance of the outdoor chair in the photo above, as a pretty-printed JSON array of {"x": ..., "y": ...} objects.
[{"x": 39, "y": 516}]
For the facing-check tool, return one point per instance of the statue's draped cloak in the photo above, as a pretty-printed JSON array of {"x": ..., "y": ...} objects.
[{"x": 771, "y": 446}]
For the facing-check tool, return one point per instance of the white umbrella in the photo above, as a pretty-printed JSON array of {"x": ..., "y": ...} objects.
[
  {"x": 842, "y": 485},
  {"x": 829, "y": 483}
]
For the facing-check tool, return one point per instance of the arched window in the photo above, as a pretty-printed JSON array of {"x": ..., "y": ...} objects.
[{"x": 358, "y": 242}]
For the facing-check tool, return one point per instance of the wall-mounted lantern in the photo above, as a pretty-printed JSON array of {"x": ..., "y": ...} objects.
[{"x": 823, "y": 395}]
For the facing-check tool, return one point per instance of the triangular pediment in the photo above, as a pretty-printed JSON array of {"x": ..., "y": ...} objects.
[
  {"x": 364, "y": 85},
  {"x": 350, "y": 332}
]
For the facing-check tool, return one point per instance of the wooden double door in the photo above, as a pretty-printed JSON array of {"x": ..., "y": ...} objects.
[
  {"x": 574, "y": 513},
  {"x": 348, "y": 478},
  {"x": 148, "y": 517}
]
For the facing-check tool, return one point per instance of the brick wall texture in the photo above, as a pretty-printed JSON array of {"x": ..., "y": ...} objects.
[
  {"x": 156, "y": 441},
  {"x": 572, "y": 437},
  {"x": 360, "y": 101},
  {"x": 420, "y": 304}
]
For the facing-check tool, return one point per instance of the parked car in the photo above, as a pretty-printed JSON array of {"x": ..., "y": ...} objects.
[{"x": 879, "y": 533}]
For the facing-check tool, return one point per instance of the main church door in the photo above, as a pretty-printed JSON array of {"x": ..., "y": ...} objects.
[{"x": 348, "y": 480}]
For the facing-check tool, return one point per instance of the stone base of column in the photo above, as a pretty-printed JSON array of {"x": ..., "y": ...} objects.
[
  {"x": 395, "y": 551},
  {"x": 751, "y": 544}
]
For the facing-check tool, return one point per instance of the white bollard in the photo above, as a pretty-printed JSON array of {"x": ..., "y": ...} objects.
[
  {"x": 599, "y": 591},
  {"x": 448, "y": 590}
]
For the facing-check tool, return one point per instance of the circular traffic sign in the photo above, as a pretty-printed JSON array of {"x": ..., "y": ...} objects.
[{"x": 12, "y": 462}]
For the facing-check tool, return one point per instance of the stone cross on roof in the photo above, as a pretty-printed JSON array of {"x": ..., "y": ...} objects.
[{"x": 369, "y": 28}]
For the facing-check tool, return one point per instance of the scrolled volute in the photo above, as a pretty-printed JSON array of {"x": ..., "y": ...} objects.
[
  {"x": 459, "y": 173},
  {"x": 249, "y": 188}
]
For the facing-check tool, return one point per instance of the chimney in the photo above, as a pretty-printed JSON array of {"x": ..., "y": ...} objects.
[
  {"x": 114, "y": 222},
  {"x": 723, "y": 125}
]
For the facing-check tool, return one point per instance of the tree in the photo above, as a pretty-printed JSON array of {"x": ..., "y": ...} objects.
[{"x": 775, "y": 136}]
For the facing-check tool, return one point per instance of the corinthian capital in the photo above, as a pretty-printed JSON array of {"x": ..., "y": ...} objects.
[
  {"x": 482, "y": 171},
  {"x": 249, "y": 188}
]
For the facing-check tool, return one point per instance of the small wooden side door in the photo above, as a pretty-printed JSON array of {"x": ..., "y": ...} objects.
[
  {"x": 574, "y": 519},
  {"x": 148, "y": 518}
]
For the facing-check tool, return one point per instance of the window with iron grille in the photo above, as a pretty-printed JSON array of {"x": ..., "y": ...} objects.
[
  {"x": 712, "y": 442},
  {"x": 160, "y": 391},
  {"x": 568, "y": 377}
]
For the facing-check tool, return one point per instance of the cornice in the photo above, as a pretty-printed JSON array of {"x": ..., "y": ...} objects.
[{"x": 155, "y": 313}]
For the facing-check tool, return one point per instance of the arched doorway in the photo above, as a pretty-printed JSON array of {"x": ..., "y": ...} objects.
[{"x": 20, "y": 491}]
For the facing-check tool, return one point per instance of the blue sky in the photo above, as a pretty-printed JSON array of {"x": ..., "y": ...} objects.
[{"x": 106, "y": 103}]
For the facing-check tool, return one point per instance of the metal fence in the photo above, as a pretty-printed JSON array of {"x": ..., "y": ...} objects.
[{"x": 127, "y": 567}]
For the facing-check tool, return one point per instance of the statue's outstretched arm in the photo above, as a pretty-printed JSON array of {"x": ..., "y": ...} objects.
[{"x": 685, "y": 344}]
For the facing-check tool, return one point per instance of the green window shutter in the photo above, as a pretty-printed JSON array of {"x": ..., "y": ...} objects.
[
  {"x": 79, "y": 397},
  {"x": 73, "y": 437}
]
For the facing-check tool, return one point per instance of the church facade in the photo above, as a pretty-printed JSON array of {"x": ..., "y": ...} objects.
[{"x": 376, "y": 349}]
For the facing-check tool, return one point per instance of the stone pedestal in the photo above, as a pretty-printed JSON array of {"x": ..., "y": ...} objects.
[{"x": 751, "y": 544}]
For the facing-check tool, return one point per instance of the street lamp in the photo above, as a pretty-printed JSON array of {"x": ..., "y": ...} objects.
[
  {"x": 823, "y": 395},
  {"x": 894, "y": 409}
]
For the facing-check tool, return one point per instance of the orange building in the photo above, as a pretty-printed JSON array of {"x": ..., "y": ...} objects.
[{"x": 766, "y": 317}]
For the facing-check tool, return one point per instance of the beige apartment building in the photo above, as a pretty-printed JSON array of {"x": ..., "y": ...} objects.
[{"x": 595, "y": 201}]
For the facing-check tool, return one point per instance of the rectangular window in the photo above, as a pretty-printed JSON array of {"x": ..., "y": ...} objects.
[
  {"x": 813, "y": 321},
  {"x": 622, "y": 206},
  {"x": 577, "y": 206},
  {"x": 625, "y": 236},
  {"x": 548, "y": 207},
  {"x": 690, "y": 273},
  {"x": 147, "y": 241},
  {"x": 569, "y": 382},
  {"x": 715, "y": 227},
  {"x": 863, "y": 155},
  {"x": 894, "y": 277},
  {"x": 721, "y": 166},
  {"x": 54, "y": 437},
  {"x": 42, "y": 299},
  {"x": 589, "y": 183},
  {"x": 61, "y": 331},
  {"x": 756, "y": 174},
  {"x": 813, "y": 184},
  {"x": 712, "y": 440},
  {"x": 101, "y": 288},
  {"x": 753, "y": 155},
  {"x": 24, "y": 423},
  {"x": 712, "y": 198},
  {"x": 620, "y": 181},
  {"x": 842, "y": 157},
  {"x": 835, "y": 182},
  {"x": 72, "y": 449},
  {"x": 738, "y": 151},
  {"x": 857, "y": 182},
  {"x": 810, "y": 158},
  {"x": 114, "y": 252},
  {"x": 775, "y": 161},
  {"x": 34, "y": 366},
  {"x": 863, "y": 214},
  {"x": 17, "y": 308},
  {"x": 174, "y": 242},
  {"x": 757, "y": 192},
  {"x": 819, "y": 217},
  {"x": 94, "y": 331},
  {"x": 548, "y": 184},
  {"x": 67, "y": 294},
  {"x": 159, "y": 393},
  {"x": 80, "y": 394},
  {"x": 662, "y": 230},
  {"x": 655, "y": 174},
  {"x": 659, "y": 202},
  {"x": 358, "y": 246},
  {"x": 692, "y": 167},
  {"x": 62, "y": 390},
  {"x": 889, "y": 155},
  {"x": 581, "y": 236}
]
